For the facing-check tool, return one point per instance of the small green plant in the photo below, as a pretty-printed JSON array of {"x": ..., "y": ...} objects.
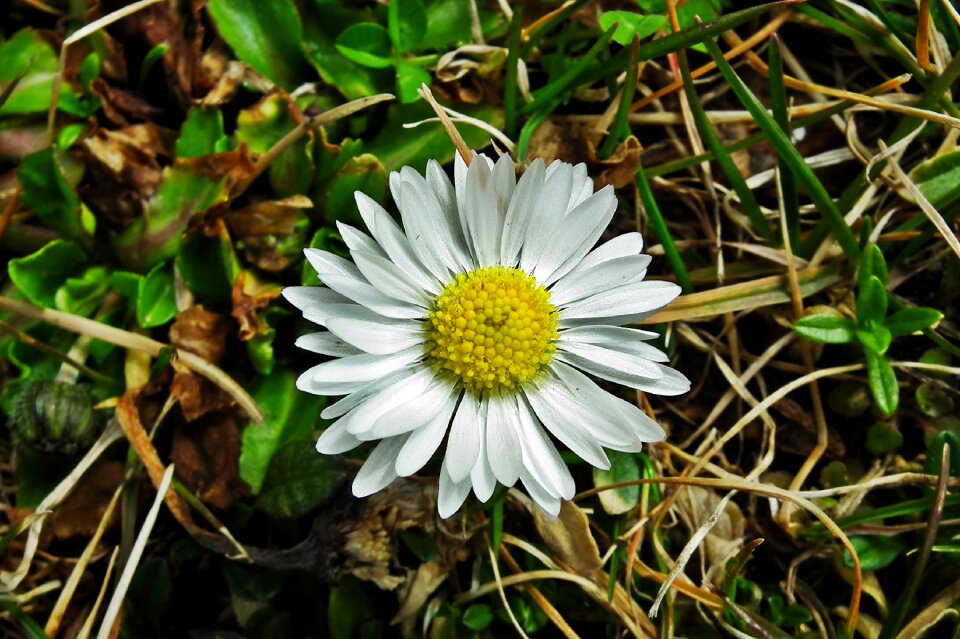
[{"x": 873, "y": 328}]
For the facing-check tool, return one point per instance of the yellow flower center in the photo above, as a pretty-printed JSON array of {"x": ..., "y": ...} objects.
[{"x": 492, "y": 328}]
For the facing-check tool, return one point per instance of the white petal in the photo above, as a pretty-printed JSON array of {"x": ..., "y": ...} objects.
[
  {"x": 335, "y": 439},
  {"x": 394, "y": 243},
  {"x": 399, "y": 392},
  {"x": 524, "y": 200},
  {"x": 378, "y": 471},
  {"x": 446, "y": 196},
  {"x": 427, "y": 229},
  {"x": 482, "y": 477},
  {"x": 320, "y": 313},
  {"x": 620, "y": 246},
  {"x": 327, "y": 262},
  {"x": 668, "y": 382},
  {"x": 571, "y": 238},
  {"x": 350, "y": 374},
  {"x": 548, "y": 213},
  {"x": 484, "y": 222},
  {"x": 613, "y": 336},
  {"x": 546, "y": 502},
  {"x": 602, "y": 277},
  {"x": 375, "y": 334},
  {"x": 423, "y": 442},
  {"x": 353, "y": 400},
  {"x": 583, "y": 186},
  {"x": 460, "y": 185},
  {"x": 357, "y": 240},
  {"x": 358, "y": 290},
  {"x": 304, "y": 297},
  {"x": 646, "y": 428},
  {"x": 452, "y": 493},
  {"x": 464, "y": 445},
  {"x": 413, "y": 414},
  {"x": 503, "y": 444},
  {"x": 389, "y": 278},
  {"x": 326, "y": 343},
  {"x": 565, "y": 427},
  {"x": 632, "y": 299},
  {"x": 540, "y": 457},
  {"x": 504, "y": 183},
  {"x": 619, "y": 363}
]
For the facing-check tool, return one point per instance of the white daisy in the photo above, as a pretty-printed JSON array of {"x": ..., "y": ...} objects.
[{"x": 478, "y": 318}]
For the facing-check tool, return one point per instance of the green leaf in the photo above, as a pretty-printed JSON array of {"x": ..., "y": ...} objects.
[
  {"x": 202, "y": 133},
  {"x": 298, "y": 480},
  {"x": 265, "y": 35},
  {"x": 367, "y": 44},
  {"x": 939, "y": 179},
  {"x": 150, "y": 593},
  {"x": 407, "y": 24},
  {"x": 156, "y": 237},
  {"x": 623, "y": 467},
  {"x": 933, "y": 401},
  {"x": 477, "y": 617},
  {"x": 348, "y": 608},
  {"x": 826, "y": 329},
  {"x": 156, "y": 300},
  {"x": 82, "y": 295},
  {"x": 27, "y": 53},
  {"x": 883, "y": 438},
  {"x": 47, "y": 193},
  {"x": 262, "y": 126},
  {"x": 288, "y": 415},
  {"x": 934, "y": 463},
  {"x": 911, "y": 320},
  {"x": 153, "y": 56},
  {"x": 40, "y": 274},
  {"x": 363, "y": 173},
  {"x": 409, "y": 79},
  {"x": 324, "y": 21},
  {"x": 630, "y": 25},
  {"x": 883, "y": 383},
  {"x": 875, "y": 551},
  {"x": 872, "y": 301},
  {"x": 876, "y": 338},
  {"x": 37, "y": 474},
  {"x": 872, "y": 263}
]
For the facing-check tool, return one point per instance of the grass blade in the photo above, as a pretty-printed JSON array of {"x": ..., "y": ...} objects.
[
  {"x": 778, "y": 104},
  {"x": 825, "y": 204},
  {"x": 659, "y": 226},
  {"x": 621, "y": 127}
]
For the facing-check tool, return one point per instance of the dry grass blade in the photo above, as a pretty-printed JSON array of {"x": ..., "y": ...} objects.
[
  {"x": 95, "y": 610},
  {"x": 932, "y": 612},
  {"x": 465, "y": 154},
  {"x": 113, "y": 608},
  {"x": 134, "y": 341}
]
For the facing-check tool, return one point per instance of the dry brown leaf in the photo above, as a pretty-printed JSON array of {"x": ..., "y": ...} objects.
[
  {"x": 418, "y": 588},
  {"x": 569, "y": 538},
  {"x": 695, "y": 505},
  {"x": 204, "y": 334},
  {"x": 206, "y": 455},
  {"x": 249, "y": 296},
  {"x": 621, "y": 166},
  {"x": 120, "y": 106},
  {"x": 80, "y": 513}
]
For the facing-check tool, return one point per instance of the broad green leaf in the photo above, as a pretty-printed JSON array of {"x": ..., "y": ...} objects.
[
  {"x": 40, "y": 274},
  {"x": 883, "y": 383},
  {"x": 252, "y": 583},
  {"x": 448, "y": 24},
  {"x": 872, "y": 301},
  {"x": 288, "y": 415},
  {"x": 28, "y": 53},
  {"x": 47, "y": 193},
  {"x": 631, "y": 24},
  {"x": 477, "y": 617},
  {"x": 324, "y": 21},
  {"x": 933, "y": 401},
  {"x": 875, "y": 551},
  {"x": 367, "y": 44},
  {"x": 126, "y": 283},
  {"x": 349, "y": 608},
  {"x": 876, "y": 338},
  {"x": 208, "y": 266},
  {"x": 156, "y": 237},
  {"x": 37, "y": 474},
  {"x": 934, "y": 463},
  {"x": 156, "y": 300},
  {"x": 407, "y": 24},
  {"x": 202, "y": 133},
  {"x": 939, "y": 179},
  {"x": 826, "y": 329},
  {"x": 409, "y": 78},
  {"x": 262, "y": 126},
  {"x": 265, "y": 35},
  {"x": 883, "y": 438},
  {"x": 623, "y": 467},
  {"x": 397, "y": 146},
  {"x": 82, "y": 295},
  {"x": 298, "y": 480},
  {"x": 362, "y": 173},
  {"x": 150, "y": 593},
  {"x": 153, "y": 56},
  {"x": 911, "y": 320}
]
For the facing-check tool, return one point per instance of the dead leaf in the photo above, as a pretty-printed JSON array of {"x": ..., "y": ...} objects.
[
  {"x": 206, "y": 455},
  {"x": 204, "y": 334},
  {"x": 695, "y": 505},
  {"x": 120, "y": 106},
  {"x": 418, "y": 588},
  {"x": 81, "y": 512},
  {"x": 569, "y": 538},
  {"x": 277, "y": 217},
  {"x": 250, "y": 295},
  {"x": 621, "y": 166}
]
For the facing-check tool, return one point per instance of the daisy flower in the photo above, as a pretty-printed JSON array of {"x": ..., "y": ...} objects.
[{"x": 475, "y": 322}]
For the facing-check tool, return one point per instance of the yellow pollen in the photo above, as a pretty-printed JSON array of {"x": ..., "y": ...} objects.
[{"x": 492, "y": 328}]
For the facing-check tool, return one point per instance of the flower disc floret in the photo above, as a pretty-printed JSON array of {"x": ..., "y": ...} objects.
[{"x": 492, "y": 329}]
